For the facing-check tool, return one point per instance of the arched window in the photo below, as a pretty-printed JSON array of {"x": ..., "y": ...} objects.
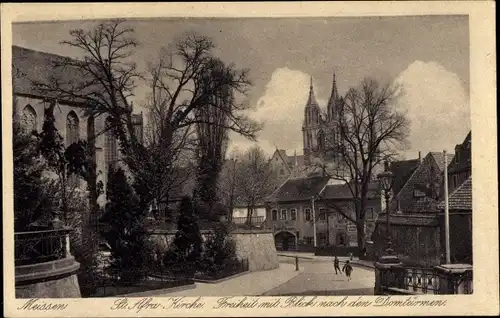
[
  {"x": 110, "y": 147},
  {"x": 72, "y": 128},
  {"x": 28, "y": 119},
  {"x": 321, "y": 139},
  {"x": 72, "y": 136}
]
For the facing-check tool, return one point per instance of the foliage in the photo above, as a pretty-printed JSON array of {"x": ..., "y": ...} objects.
[
  {"x": 32, "y": 201},
  {"x": 219, "y": 250},
  {"x": 187, "y": 245},
  {"x": 131, "y": 253}
]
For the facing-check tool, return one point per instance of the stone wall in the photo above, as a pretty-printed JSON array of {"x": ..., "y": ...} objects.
[
  {"x": 56, "y": 279},
  {"x": 258, "y": 247}
]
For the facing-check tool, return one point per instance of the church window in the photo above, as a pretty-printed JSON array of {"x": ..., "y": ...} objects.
[
  {"x": 110, "y": 146},
  {"x": 28, "y": 119},
  {"x": 72, "y": 128},
  {"x": 72, "y": 136},
  {"x": 321, "y": 139}
]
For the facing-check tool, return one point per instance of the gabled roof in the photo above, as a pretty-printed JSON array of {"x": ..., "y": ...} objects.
[
  {"x": 343, "y": 192},
  {"x": 439, "y": 158},
  {"x": 300, "y": 189},
  {"x": 33, "y": 66},
  {"x": 402, "y": 171},
  {"x": 461, "y": 198}
]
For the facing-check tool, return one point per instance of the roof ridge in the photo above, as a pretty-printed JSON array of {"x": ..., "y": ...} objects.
[{"x": 45, "y": 53}]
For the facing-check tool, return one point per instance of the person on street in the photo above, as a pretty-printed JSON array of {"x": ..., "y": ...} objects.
[
  {"x": 347, "y": 269},
  {"x": 336, "y": 264},
  {"x": 350, "y": 256}
]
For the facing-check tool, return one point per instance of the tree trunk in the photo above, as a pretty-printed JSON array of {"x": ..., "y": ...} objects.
[{"x": 360, "y": 229}]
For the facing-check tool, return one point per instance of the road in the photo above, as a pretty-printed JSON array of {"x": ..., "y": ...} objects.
[{"x": 318, "y": 278}]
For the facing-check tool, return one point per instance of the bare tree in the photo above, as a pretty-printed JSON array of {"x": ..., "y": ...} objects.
[
  {"x": 105, "y": 80},
  {"x": 254, "y": 179},
  {"x": 369, "y": 131}
]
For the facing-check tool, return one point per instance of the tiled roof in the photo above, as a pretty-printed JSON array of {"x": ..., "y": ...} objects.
[
  {"x": 402, "y": 171},
  {"x": 342, "y": 191},
  {"x": 33, "y": 66},
  {"x": 300, "y": 189},
  {"x": 424, "y": 205},
  {"x": 439, "y": 158},
  {"x": 461, "y": 198}
]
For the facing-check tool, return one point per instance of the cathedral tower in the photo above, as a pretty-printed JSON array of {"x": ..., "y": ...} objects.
[{"x": 311, "y": 125}]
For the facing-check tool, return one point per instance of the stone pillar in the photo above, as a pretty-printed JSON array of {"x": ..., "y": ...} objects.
[
  {"x": 454, "y": 278},
  {"x": 383, "y": 267}
]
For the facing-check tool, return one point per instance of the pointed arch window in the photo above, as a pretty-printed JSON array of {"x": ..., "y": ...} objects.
[
  {"x": 72, "y": 128},
  {"x": 28, "y": 119},
  {"x": 110, "y": 145},
  {"x": 321, "y": 139},
  {"x": 72, "y": 136}
]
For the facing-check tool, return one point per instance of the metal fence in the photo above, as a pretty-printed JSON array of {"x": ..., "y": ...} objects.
[
  {"x": 254, "y": 220},
  {"x": 420, "y": 280},
  {"x": 41, "y": 246}
]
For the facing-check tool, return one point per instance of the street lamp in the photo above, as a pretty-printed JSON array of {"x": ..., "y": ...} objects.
[{"x": 386, "y": 179}]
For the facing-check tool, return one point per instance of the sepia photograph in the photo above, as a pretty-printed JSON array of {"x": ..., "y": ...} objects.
[{"x": 186, "y": 157}]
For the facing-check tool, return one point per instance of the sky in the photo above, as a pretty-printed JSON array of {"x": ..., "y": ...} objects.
[{"x": 427, "y": 55}]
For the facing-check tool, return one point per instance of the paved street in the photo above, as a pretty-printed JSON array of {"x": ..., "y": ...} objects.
[{"x": 318, "y": 278}]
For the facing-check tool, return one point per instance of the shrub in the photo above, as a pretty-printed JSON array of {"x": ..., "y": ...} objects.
[
  {"x": 187, "y": 245},
  {"x": 131, "y": 253},
  {"x": 219, "y": 250}
]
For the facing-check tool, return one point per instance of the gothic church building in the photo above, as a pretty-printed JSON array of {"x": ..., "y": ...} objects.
[{"x": 319, "y": 129}]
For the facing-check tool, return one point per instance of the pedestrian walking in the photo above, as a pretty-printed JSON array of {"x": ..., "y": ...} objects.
[
  {"x": 336, "y": 264},
  {"x": 350, "y": 256},
  {"x": 347, "y": 269}
]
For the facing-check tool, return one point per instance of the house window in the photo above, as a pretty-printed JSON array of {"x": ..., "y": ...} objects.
[
  {"x": 293, "y": 214},
  {"x": 322, "y": 215},
  {"x": 282, "y": 172},
  {"x": 308, "y": 240},
  {"x": 457, "y": 157},
  {"x": 308, "y": 215},
  {"x": 28, "y": 120},
  {"x": 418, "y": 194},
  {"x": 283, "y": 214},
  {"x": 274, "y": 214},
  {"x": 455, "y": 181},
  {"x": 369, "y": 213}
]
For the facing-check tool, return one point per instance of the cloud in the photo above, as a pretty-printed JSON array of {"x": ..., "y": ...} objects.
[
  {"x": 437, "y": 105},
  {"x": 281, "y": 109}
]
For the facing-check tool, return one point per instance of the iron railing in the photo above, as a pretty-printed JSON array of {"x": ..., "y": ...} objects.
[
  {"x": 254, "y": 220},
  {"x": 41, "y": 246},
  {"x": 421, "y": 280}
]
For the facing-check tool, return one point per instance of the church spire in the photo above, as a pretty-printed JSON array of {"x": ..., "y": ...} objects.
[
  {"x": 311, "y": 101},
  {"x": 332, "y": 102}
]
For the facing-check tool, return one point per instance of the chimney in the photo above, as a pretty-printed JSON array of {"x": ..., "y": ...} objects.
[{"x": 419, "y": 157}]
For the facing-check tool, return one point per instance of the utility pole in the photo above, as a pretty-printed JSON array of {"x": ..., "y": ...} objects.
[
  {"x": 314, "y": 221},
  {"x": 446, "y": 210}
]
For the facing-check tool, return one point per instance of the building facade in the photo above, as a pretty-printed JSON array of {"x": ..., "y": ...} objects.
[
  {"x": 305, "y": 208},
  {"x": 71, "y": 117},
  {"x": 460, "y": 168}
]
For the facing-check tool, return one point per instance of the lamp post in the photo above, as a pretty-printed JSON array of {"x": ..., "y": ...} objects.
[{"x": 386, "y": 180}]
